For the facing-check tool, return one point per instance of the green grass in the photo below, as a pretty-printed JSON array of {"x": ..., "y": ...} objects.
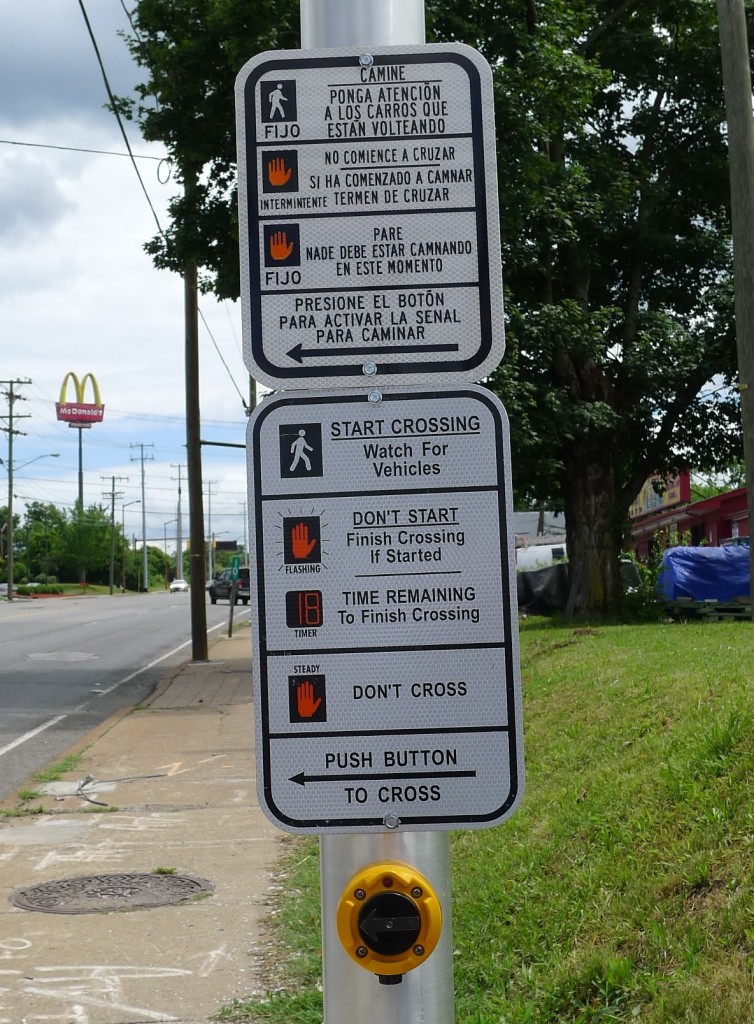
[
  {"x": 52, "y": 773},
  {"x": 89, "y": 588},
  {"x": 25, "y": 796},
  {"x": 56, "y": 771},
  {"x": 623, "y": 888},
  {"x": 21, "y": 812}
]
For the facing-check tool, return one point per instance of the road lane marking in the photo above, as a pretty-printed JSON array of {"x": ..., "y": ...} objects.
[
  {"x": 30, "y": 735},
  {"x": 127, "y": 679}
]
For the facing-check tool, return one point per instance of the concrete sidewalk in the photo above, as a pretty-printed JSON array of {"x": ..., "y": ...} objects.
[{"x": 176, "y": 779}]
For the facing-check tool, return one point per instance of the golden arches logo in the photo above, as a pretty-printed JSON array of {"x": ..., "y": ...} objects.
[{"x": 80, "y": 413}]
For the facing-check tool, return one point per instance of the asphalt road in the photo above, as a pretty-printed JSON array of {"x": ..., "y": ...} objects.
[{"x": 68, "y": 664}]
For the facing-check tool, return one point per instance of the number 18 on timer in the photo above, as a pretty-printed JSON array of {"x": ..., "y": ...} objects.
[{"x": 303, "y": 609}]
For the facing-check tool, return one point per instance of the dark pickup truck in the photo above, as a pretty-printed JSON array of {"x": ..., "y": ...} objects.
[{"x": 221, "y": 586}]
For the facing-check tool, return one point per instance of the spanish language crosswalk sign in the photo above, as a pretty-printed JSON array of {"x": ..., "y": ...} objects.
[{"x": 368, "y": 216}]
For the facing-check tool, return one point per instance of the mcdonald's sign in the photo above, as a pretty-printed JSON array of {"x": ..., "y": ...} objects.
[{"x": 80, "y": 413}]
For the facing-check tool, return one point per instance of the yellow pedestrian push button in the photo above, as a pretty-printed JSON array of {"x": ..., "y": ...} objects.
[{"x": 389, "y": 919}]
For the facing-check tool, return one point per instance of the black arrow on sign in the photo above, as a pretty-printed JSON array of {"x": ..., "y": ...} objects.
[
  {"x": 375, "y": 927},
  {"x": 302, "y": 778},
  {"x": 299, "y": 353}
]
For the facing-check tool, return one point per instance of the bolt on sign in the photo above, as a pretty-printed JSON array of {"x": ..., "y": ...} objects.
[
  {"x": 385, "y": 655},
  {"x": 368, "y": 216}
]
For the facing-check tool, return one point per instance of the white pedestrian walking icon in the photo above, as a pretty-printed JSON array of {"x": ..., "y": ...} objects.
[
  {"x": 277, "y": 99},
  {"x": 299, "y": 448}
]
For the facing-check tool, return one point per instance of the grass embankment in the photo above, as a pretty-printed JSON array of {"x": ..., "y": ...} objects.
[{"x": 623, "y": 889}]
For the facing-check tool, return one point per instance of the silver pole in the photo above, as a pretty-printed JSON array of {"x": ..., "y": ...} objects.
[
  {"x": 361, "y": 23},
  {"x": 179, "y": 532},
  {"x": 351, "y": 993}
]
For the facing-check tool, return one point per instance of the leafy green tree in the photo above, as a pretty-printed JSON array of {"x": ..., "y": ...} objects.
[
  {"x": 4, "y": 540},
  {"x": 82, "y": 547},
  {"x": 42, "y": 523},
  {"x": 728, "y": 479},
  {"x": 616, "y": 254},
  {"x": 192, "y": 51},
  {"x": 614, "y": 206},
  {"x": 127, "y": 565},
  {"x": 155, "y": 567}
]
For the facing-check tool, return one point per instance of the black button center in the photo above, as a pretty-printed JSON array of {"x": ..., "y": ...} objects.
[{"x": 389, "y": 923}]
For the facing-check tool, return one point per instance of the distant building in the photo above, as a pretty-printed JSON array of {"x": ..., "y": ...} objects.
[
  {"x": 535, "y": 528},
  {"x": 674, "y": 519}
]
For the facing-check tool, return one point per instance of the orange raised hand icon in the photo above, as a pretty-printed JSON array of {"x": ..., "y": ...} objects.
[
  {"x": 305, "y": 701},
  {"x": 300, "y": 543},
  {"x": 277, "y": 172},
  {"x": 280, "y": 247}
]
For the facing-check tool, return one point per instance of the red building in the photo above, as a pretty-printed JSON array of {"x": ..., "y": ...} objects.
[{"x": 675, "y": 519}]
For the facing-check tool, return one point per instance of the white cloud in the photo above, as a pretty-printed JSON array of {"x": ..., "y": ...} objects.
[
  {"x": 31, "y": 200},
  {"x": 79, "y": 292}
]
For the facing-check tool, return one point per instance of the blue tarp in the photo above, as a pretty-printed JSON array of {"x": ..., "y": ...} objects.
[{"x": 704, "y": 574}]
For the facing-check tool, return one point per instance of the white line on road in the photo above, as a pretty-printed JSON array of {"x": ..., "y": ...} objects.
[
  {"x": 101, "y": 693},
  {"x": 30, "y": 735}
]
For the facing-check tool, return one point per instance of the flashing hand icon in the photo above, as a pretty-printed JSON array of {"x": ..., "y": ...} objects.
[
  {"x": 277, "y": 173},
  {"x": 305, "y": 701},
  {"x": 280, "y": 247},
  {"x": 300, "y": 543}
]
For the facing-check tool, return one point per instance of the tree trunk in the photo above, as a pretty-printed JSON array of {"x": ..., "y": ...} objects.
[{"x": 593, "y": 555}]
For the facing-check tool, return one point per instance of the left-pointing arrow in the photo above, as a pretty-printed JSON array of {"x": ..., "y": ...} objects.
[
  {"x": 299, "y": 353},
  {"x": 376, "y": 928},
  {"x": 302, "y": 778}
]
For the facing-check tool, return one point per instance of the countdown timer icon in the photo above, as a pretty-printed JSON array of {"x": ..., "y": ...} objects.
[{"x": 303, "y": 609}]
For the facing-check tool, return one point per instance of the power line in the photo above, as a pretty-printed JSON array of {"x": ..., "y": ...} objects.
[
  {"x": 114, "y": 108},
  {"x": 82, "y": 149},
  {"x": 222, "y": 359},
  {"x": 115, "y": 111}
]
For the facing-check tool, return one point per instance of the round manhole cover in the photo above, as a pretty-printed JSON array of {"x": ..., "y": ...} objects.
[{"x": 96, "y": 894}]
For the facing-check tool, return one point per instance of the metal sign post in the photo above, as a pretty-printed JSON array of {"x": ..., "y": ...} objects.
[
  {"x": 387, "y": 697},
  {"x": 349, "y": 992}
]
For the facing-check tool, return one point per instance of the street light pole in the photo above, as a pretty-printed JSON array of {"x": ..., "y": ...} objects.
[
  {"x": 112, "y": 494},
  {"x": 144, "y": 554},
  {"x": 211, "y": 553},
  {"x": 165, "y": 547},
  {"x": 136, "y": 501},
  {"x": 9, "y": 530}
]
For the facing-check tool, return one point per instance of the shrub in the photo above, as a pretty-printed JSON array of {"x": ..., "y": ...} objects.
[{"x": 48, "y": 588}]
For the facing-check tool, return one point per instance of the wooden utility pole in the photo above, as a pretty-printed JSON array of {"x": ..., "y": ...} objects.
[
  {"x": 734, "y": 47},
  {"x": 13, "y": 396},
  {"x": 199, "y": 646},
  {"x": 112, "y": 494}
]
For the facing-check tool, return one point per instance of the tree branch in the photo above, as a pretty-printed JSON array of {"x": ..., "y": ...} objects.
[
  {"x": 660, "y": 443},
  {"x": 589, "y": 44}
]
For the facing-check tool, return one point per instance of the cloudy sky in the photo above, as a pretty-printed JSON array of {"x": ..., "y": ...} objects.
[{"x": 78, "y": 293}]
